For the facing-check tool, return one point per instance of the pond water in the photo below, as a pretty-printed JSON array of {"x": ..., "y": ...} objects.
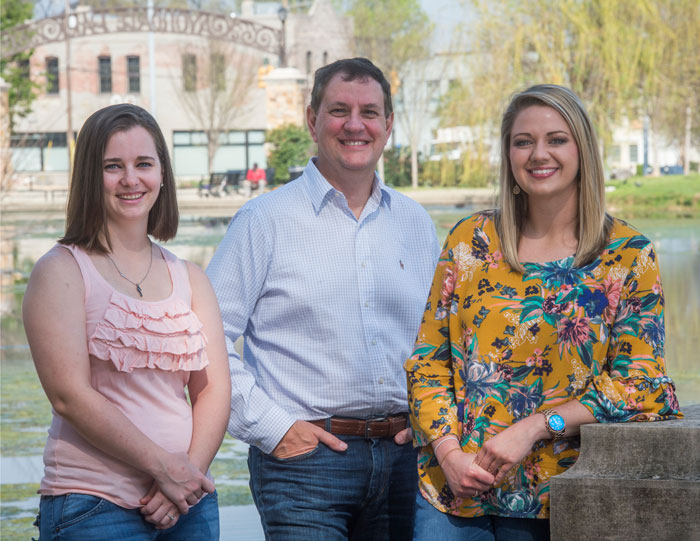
[{"x": 25, "y": 413}]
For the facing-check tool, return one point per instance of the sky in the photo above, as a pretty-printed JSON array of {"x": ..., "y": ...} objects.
[{"x": 447, "y": 15}]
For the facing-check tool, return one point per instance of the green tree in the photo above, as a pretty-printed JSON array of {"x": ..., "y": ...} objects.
[
  {"x": 14, "y": 69},
  {"x": 395, "y": 35},
  {"x": 397, "y": 167},
  {"x": 671, "y": 92},
  {"x": 614, "y": 55},
  {"x": 291, "y": 147},
  {"x": 391, "y": 33}
]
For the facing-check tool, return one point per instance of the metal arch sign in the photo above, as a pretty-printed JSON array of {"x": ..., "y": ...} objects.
[{"x": 136, "y": 19}]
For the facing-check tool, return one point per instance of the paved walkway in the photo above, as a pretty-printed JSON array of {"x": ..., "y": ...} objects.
[
  {"x": 52, "y": 202},
  {"x": 240, "y": 523}
]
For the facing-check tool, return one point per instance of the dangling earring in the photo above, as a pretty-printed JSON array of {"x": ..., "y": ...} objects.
[
  {"x": 162, "y": 184},
  {"x": 516, "y": 189}
]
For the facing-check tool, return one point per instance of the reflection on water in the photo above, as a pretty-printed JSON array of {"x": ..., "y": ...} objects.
[
  {"x": 25, "y": 412},
  {"x": 677, "y": 243}
]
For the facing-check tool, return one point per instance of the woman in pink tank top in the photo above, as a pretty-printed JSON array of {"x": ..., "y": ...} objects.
[{"x": 122, "y": 332}]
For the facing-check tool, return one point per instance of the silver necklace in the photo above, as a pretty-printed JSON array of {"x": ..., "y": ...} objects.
[{"x": 137, "y": 284}]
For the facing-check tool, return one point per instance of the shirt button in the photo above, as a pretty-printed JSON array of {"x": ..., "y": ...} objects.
[
  {"x": 363, "y": 265},
  {"x": 381, "y": 381},
  {"x": 366, "y": 304},
  {"x": 374, "y": 342}
]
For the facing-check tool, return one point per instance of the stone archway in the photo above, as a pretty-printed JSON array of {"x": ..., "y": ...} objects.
[{"x": 140, "y": 19}]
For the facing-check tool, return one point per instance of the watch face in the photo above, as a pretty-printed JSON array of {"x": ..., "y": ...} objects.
[{"x": 556, "y": 423}]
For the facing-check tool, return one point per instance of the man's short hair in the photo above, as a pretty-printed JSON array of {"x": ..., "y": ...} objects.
[{"x": 351, "y": 69}]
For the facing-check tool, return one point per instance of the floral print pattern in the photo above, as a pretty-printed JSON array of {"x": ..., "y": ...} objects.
[{"x": 496, "y": 346}]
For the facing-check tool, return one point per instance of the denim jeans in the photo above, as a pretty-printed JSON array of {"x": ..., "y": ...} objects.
[
  {"x": 81, "y": 517},
  {"x": 433, "y": 524},
  {"x": 365, "y": 493}
]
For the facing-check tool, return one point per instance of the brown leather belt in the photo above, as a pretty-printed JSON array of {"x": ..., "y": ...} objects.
[{"x": 383, "y": 427}]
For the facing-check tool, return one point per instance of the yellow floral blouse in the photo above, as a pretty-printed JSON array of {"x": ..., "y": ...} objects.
[{"x": 496, "y": 346}]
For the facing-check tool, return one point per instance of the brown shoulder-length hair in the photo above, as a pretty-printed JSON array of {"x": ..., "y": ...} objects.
[
  {"x": 594, "y": 224},
  {"x": 86, "y": 224}
]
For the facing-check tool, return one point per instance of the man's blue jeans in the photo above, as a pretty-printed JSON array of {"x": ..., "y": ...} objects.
[
  {"x": 366, "y": 493},
  {"x": 434, "y": 524},
  {"x": 81, "y": 517}
]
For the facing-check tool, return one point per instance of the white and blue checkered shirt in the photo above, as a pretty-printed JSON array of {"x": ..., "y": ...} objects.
[{"x": 329, "y": 304}]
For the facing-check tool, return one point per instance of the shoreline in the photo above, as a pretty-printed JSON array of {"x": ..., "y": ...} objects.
[
  {"x": 52, "y": 203},
  {"x": 18, "y": 205}
]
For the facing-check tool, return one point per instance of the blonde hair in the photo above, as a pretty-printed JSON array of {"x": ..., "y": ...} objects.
[{"x": 593, "y": 223}]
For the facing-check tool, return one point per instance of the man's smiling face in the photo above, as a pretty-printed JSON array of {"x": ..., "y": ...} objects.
[{"x": 350, "y": 127}]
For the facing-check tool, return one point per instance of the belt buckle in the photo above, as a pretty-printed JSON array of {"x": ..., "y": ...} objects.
[{"x": 369, "y": 421}]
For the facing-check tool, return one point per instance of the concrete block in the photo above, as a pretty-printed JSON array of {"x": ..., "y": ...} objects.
[{"x": 636, "y": 481}]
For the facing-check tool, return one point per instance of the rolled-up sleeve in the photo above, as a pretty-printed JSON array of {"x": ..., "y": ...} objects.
[{"x": 633, "y": 385}]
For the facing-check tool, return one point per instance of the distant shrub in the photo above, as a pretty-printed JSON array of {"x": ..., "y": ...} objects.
[{"x": 291, "y": 147}]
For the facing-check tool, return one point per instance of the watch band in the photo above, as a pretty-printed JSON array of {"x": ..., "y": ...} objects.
[{"x": 557, "y": 433}]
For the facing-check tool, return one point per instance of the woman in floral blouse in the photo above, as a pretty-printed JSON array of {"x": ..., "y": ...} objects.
[{"x": 544, "y": 314}]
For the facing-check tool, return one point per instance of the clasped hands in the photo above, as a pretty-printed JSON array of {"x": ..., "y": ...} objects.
[
  {"x": 468, "y": 474},
  {"x": 178, "y": 485}
]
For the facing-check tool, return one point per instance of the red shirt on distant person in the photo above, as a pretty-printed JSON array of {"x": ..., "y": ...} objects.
[{"x": 255, "y": 175}]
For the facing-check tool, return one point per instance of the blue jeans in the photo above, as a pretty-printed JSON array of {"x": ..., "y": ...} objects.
[
  {"x": 433, "y": 524},
  {"x": 366, "y": 493},
  {"x": 81, "y": 517}
]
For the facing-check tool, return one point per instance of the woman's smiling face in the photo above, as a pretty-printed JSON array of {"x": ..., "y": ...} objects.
[
  {"x": 132, "y": 175},
  {"x": 543, "y": 153}
]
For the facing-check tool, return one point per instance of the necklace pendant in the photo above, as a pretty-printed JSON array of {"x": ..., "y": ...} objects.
[{"x": 138, "y": 288}]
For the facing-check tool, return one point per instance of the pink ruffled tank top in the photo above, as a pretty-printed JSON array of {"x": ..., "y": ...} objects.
[{"x": 141, "y": 355}]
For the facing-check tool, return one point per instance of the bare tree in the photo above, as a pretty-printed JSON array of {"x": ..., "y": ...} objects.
[
  {"x": 215, "y": 88},
  {"x": 416, "y": 102},
  {"x": 395, "y": 35}
]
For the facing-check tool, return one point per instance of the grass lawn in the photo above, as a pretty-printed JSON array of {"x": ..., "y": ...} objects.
[{"x": 655, "y": 196}]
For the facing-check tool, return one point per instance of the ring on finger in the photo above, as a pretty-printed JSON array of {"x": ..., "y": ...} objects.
[{"x": 170, "y": 517}]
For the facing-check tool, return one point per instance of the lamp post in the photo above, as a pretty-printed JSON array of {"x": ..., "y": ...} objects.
[{"x": 282, "y": 13}]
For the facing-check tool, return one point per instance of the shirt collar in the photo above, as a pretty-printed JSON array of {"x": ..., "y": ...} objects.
[{"x": 320, "y": 188}]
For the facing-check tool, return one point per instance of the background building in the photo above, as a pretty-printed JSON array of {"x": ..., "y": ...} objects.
[{"x": 211, "y": 97}]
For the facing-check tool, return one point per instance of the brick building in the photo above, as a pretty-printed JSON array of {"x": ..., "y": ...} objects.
[{"x": 182, "y": 92}]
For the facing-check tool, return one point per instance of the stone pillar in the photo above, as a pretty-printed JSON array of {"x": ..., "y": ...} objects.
[
  {"x": 634, "y": 481},
  {"x": 285, "y": 97},
  {"x": 8, "y": 242},
  {"x": 5, "y": 150}
]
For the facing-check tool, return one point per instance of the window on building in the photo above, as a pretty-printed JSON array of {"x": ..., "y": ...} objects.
[
  {"x": 433, "y": 88},
  {"x": 189, "y": 72},
  {"x": 34, "y": 152},
  {"x": 105, "y": 71},
  {"x": 217, "y": 71},
  {"x": 238, "y": 151},
  {"x": 615, "y": 153},
  {"x": 23, "y": 67},
  {"x": 634, "y": 153},
  {"x": 52, "y": 75},
  {"x": 133, "y": 71},
  {"x": 325, "y": 57},
  {"x": 308, "y": 62}
]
